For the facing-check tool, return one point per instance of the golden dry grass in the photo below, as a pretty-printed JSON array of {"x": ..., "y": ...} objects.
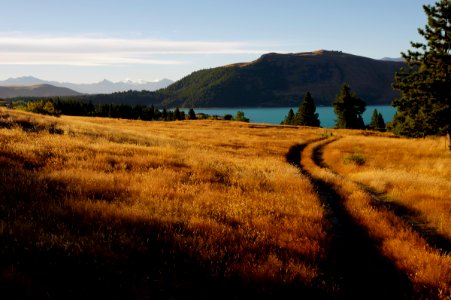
[
  {"x": 198, "y": 205},
  {"x": 385, "y": 159},
  {"x": 414, "y": 172},
  {"x": 219, "y": 192}
]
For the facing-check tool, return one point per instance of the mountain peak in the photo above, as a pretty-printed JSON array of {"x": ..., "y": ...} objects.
[
  {"x": 277, "y": 79},
  {"x": 102, "y": 87},
  {"x": 35, "y": 90},
  {"x": 23, "y": 80}
]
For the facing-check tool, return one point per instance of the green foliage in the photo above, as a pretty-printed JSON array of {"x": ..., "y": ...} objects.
[
  {"x": 44, "y": 107},
  {"x": 424, "y": 107},
  {"x": 78, "y": 107},
  {"x": 228, "y": 117},
  {"x": 306, "y": 114},
  {"x": 178, "y": 115},
  {"x": 289, "y": 119},
  {"x": 355, "y": 158},
  {"x": 191, "y": 114},
  {"x": 240, "y": 117},
  {"x": 270, "y": 81},
  {"x": 377, "y": 121},
  {"x": 349, "y": 109}
]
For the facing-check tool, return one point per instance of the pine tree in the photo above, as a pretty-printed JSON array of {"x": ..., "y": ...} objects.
[
  {"x": 164, "y": 114},
  {"x": 424, "y": 107},
  {"x": 191, "y": 114},
  {"x": 373, "y": 123},
  {"x": 380, "y": 122},
  {"x": 377, "y": 121},
  {"x": 289, "y": 119},
  {"x": 349, "y": 109},
  {"x": 177, "y": 115},
  {"x": 306, "y": 114}
]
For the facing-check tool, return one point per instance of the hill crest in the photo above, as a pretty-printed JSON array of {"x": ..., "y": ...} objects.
[
  {"x": 277, "y": 80},
  {"x": 35, "y": 90}
]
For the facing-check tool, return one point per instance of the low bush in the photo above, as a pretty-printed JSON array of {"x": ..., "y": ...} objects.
[{"x": 355, "y": 158}]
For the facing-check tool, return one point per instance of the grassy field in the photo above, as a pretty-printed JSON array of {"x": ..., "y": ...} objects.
[
  {"x": 415, "y": 173},
  {"x": 392, "y": 223},
  {"x": 96, "y": 207}
]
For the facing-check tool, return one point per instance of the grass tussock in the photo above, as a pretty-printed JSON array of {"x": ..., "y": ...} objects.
[{"x": 160, "y": 208}]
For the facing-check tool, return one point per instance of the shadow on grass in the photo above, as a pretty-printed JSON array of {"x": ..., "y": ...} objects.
[
  {"x": 412, "y": 217},
  {"x": 354, "y": 267},
  {"x": 48, "y": 251}
]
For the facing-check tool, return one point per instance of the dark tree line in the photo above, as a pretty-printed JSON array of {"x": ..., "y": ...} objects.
[
  {"x": 73, "y": 107},
  {"x": 123, "y": 111}
]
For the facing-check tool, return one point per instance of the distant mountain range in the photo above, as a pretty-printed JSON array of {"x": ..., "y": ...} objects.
[
  {"x": 277, "y": 80},
  {"x": 102, "y": 87},
  {"x": 37, "y": 90},
  {"x": 273, "y": 80}
]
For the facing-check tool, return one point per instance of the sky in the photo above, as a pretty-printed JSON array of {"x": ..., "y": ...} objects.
[{"x": 84, "y": 41}]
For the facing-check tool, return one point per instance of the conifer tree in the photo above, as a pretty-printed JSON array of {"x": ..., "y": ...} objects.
[
  {"x": 164, "y": 114},
  {"x": 306, "y": 114},
  {"x": 377, "y": 121},
  {"x": 289, "y": 119},
  {"x": 191, "y": 114},
  {"x": 177, "y": 114},
  {"x": 380, "y": 122},
  {"x": 349, "y": 109},
  {"x": 424, "y": 107}
]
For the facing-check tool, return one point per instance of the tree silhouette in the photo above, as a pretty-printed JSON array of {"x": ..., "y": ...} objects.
[
  {"x": 289, "y": 119},
  {"x": 306, "y": 114},
  {"x": 377, "y": 121},
  {"x": 349, "y": 109},
  {"x": 424, "y": 107}
]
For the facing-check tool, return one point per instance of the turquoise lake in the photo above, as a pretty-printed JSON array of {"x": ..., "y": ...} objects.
[{"x": 276, "y": 115}]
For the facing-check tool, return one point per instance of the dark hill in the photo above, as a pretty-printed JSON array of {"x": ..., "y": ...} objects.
[
  {"x": 38, "y": 90},
  {"x": 282, "y": 80}
]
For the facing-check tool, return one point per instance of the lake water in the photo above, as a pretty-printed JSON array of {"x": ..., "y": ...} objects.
[{"x": 276, "y": 115}]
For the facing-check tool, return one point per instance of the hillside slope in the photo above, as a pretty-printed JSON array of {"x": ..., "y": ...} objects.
[
  {"x": 38, "y": 90},
  {"x": 282, "y": 80}
]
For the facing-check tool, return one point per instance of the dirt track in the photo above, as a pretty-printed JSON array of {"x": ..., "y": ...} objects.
[{"x": 354, "y": 267}]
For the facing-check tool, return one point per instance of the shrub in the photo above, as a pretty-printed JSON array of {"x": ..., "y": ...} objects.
[
  {"x": 354, "y": 158},
  {"x": 44, "y": 107},
  {"x": 240, "y": 117}
]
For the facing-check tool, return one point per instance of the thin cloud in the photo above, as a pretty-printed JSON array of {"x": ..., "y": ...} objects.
[
  {"x": 92, "y": 51},
  {"x": 79, "y": 59}
]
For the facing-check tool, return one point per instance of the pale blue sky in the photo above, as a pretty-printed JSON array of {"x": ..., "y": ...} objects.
[{"x": 89, "y": 40}]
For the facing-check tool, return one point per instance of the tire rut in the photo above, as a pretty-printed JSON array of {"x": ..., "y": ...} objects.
[
  {"x": 354, "y": 268},
  {"x": 411, "y": 217}
]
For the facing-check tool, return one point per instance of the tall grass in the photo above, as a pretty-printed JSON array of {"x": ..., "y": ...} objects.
[
  {"x": 414, "y": 172},
  {"x": 198, "y": 209},
  {"x": 429, "y": 269},
  {"x": 167, "y": 198}
]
